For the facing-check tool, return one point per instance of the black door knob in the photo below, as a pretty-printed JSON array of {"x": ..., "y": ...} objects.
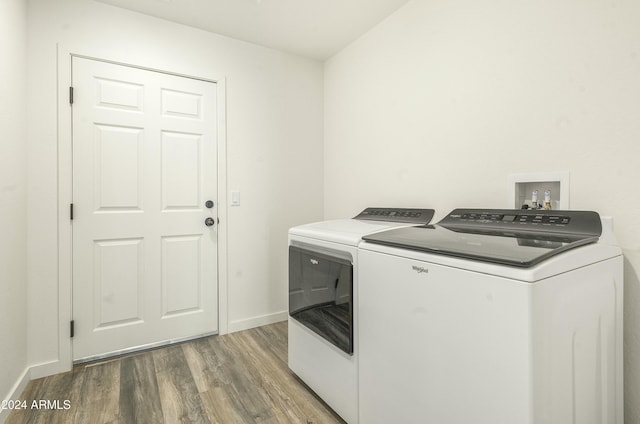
[
  {"x": 209, "y": 222},
  {"x": 209, "y": 204}
]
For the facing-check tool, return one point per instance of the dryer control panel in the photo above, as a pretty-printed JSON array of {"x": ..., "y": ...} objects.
[{"x": 410, "y": 216}]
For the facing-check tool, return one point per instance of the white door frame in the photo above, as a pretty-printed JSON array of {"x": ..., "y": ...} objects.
[{"x": 65, "y": 196}]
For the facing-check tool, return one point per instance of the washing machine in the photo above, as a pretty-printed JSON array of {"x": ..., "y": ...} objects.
[
  {"x": 492, "y": 317},
  {"x": 323, "y": 293}
]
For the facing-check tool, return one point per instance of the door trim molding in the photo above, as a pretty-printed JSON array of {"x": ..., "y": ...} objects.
[{"x": 64, "y": 361}]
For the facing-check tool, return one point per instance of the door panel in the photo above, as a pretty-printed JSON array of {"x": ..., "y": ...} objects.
[
  {"x": 118, "y": 282},
  {"x": 144, "y": 164},
  {"x": 181, "y": 104},
  {"x": 118, "y": 167},
  {"x": 181, "y": 279},
  {"x": 181, "y": 158}
]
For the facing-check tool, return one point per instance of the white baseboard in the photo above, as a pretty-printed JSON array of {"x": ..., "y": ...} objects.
[
  {"x": 245, "y": 324},
  {"x": 31, "y": 373},
  {"x": 15, "y": 392},
  {"x": 46, "y": 369}
]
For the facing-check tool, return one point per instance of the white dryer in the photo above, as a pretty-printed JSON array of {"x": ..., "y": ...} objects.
[
  {"x": 492, "y": 317},
  {"x": 323, "y": 293}
]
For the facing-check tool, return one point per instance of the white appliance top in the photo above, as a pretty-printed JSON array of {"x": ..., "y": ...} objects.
[{"x": 369, "y": 221}]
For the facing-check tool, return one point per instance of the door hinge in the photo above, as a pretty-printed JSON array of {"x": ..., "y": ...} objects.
[
  {"x": 72, "y": 328},
  {"x": 70, "y": 95},
  {"x": 71, "y": 211}
]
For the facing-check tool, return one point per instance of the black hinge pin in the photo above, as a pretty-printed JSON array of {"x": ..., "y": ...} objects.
[
  {"x": 72, "y": 328},
  {"x": 71, "y": 211}
]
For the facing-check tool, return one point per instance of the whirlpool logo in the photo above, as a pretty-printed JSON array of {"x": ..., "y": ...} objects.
[
  {"x": 314, "y": 261},
  {"x": 420, "y": 269}
]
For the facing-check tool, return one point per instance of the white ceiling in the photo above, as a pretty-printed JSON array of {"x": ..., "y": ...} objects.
[{"x": 313, "y": 28}]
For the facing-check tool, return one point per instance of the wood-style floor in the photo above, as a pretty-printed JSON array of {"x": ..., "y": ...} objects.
[{"x": 239, "y": 378}]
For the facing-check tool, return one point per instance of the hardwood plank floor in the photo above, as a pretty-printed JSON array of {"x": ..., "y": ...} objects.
[{"x": 239, "y": 378}]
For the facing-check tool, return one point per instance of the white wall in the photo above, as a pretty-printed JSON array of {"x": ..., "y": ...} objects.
[
  {"x": 274, "y": 147},
  {"x": 438, "y": 104},
  {"x": 13, "y": 181}
]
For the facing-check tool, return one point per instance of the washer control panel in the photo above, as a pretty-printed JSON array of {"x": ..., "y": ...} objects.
[
  {"x": 535, "y": 219},
  {"x": 575, "y": 222},
  {"x": 410, "y": 215}
]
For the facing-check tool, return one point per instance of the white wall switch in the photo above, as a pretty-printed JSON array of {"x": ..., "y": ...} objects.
[{"x": 235, "y": 198}]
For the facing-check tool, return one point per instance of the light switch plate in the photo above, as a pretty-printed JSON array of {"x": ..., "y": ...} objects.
[{"x": 235, "y": 198}]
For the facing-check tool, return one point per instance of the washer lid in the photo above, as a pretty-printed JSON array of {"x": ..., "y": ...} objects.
[{"x": 510, "y": 237}]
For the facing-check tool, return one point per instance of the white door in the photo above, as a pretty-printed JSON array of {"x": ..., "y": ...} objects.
[{"x": 144, "y": 169}]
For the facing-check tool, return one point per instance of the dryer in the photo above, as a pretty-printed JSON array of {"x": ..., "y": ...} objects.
[
  {"x": 323, "y": 294},
  {"x": 492, "y": 317}
]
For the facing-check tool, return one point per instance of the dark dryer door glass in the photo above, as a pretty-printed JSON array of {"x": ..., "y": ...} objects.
[{"x": 321, "y": 293}]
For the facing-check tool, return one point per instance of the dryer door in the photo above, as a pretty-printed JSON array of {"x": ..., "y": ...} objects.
[{"x": 321, "y": 294}]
